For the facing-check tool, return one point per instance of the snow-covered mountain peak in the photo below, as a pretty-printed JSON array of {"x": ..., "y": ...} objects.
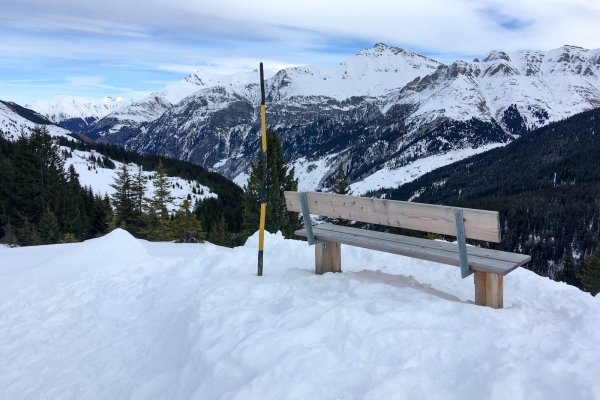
[
  {"x": 496, "y": 55},
  {"x": 15, "y": 119},
  {"x": 528, "y": 62},
  {"x": 389, "y": 56},
  {"x": 76, "y": 111},
  {"x": 202, "y": 79},
  {"x": 371, "y": 72},
  {"x": 574, "y": 61},
  {"x": 109, "y": 99}
]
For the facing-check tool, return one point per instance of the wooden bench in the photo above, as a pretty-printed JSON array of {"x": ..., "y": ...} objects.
[{"x": 488, "y": 266}]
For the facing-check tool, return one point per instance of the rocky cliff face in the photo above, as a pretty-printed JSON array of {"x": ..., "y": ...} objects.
[{"x": 384, "y": 109}]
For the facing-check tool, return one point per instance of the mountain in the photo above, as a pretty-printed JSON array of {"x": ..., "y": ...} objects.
[
  {"x": 15, "y": 119},
  {"x": 135, "y": 113},
  {"x": 75, "y": 113},
  {"x": 546, "y": 186},
  {"x": 384, "y": 112}
]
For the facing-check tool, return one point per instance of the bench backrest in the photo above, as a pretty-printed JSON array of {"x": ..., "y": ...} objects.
[{"x": 479, "y": 224}]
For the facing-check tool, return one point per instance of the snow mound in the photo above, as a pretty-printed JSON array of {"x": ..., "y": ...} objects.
[{"x": 117, "y": 317}]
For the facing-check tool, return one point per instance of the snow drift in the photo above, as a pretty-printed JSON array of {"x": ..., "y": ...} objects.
[{"x": 117, "y": 317}]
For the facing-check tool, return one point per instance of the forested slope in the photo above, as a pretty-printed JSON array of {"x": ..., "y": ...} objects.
[{"x": 546, "y": 186}]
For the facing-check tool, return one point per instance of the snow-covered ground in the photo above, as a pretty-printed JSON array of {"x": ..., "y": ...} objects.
[
  {"x": 60, "y": 108},
  {"x": 393, "y": 177},
  {"x": 121, "y": 318},
  {"x": 100, "y": 179},
  {"x": 12, "y": 124}
]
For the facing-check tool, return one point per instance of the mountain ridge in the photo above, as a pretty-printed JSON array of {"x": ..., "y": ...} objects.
[{"x": 383, "y": 108}]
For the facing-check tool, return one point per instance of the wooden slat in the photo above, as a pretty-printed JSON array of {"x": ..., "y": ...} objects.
[
  {"x": 420, "y": 248},
  {"x": 516, "y": 258},
  {"x": 479, "y": 224}
]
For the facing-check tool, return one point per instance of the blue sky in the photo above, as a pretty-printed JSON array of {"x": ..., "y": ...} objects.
[{"x": 130, "y": 48}]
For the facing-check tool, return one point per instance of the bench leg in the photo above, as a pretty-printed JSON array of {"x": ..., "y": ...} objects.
[
  {"x": 489, "y": 289},
  {"x": 328, "y": 259}
]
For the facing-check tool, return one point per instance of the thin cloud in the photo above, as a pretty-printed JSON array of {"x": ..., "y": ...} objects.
[
  {"x": 163, "y": 40},
  {"x": 55, "y": 22}
]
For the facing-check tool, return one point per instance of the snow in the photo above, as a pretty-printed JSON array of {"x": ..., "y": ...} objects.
[
  {"x": 371, "y": 72},
  {"x": 63, "y": 107},
  {"x": 241, "y": 180},
  {"x": 11, "y": 124},
  {"x": 388, "y": 177},
  {"x": 116, "y": 317},
  {"x": 100, "y": 179},
  {"x": 310, "y": 173}
]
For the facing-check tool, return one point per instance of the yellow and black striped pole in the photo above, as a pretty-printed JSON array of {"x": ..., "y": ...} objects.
[{"x": 263, "y": 191}]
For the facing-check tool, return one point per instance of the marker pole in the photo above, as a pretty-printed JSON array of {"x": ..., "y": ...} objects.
[{"x": 263, "y": 191}]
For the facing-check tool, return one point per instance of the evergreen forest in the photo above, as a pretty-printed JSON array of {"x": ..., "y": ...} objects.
[{"x": 41, "y": 203}]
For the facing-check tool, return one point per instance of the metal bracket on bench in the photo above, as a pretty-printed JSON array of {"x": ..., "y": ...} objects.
[
  {"x": 307, "y": 223},
  {"x": 462, "y": 244}
]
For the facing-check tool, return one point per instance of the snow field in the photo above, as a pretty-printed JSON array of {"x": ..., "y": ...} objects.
[
  {"x": 117, "y": 317},
  {"x": 388, "y": 177},
  {"x": 11, "y": 124},
  {"x": 63, "y": 107},
  {"x": 100, "y": 179}
]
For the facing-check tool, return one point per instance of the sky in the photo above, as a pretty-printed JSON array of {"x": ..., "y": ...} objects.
[{"x": 130, "y": 48}]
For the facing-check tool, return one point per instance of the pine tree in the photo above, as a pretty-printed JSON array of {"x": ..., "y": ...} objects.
[
  {"x": 138, "y": 189},
  {"x": 340, "y": 186},
  {"x": 74, "y": 209},
  {"x": 10, "y": 238},
  {"x": 340, "y": 183},
  {"x": 220, "y": 235},
  {"x": 27, "y": 235},
  {"x": 101, "y": 217},
  {"x": 68, "y": 238},
  {"x": 48, "y": 229},
  {"x": 39, "y": 178},
  {"x": 186, "y": 227},
  {"x": 590, "y": 279},
  {"x": 123, "y": 200},
  {"x": 157, "y": 223},
  {"x": 279, "y": 179}
]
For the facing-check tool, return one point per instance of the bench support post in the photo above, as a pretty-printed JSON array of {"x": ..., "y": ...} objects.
[
  {"x": 489, "y": 290},
  {"x": 462, "y": 244},
  {"x": 307, "y": 221},
  {"x": 328, "y": 257}
]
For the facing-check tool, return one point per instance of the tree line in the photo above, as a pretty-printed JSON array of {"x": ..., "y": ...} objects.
[
  {"x": 40, "y": 203},
  {"x": 229, "y": 195}
]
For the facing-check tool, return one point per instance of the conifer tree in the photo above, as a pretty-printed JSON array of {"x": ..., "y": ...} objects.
[
  {"x": 156, "y": 219},
  {"x": 123, "y": 200},
  {"x": 220, "y": 235},
  {"x": 48, "y": 229},
  {"x": 591, "y": 273},
  {"x": 138, "y": 188},
  {"x": 280, "y": 179},
  {"x": 340, "y": 186},
  {"x": 74, "y": 208},
  {"x": 340, "y": 183},
  {"x": 38, "y": 178},
  {"x": 68, "y": 238},
  {"x": 186, "y": 227},
  {"x": 27, "y": 235}
]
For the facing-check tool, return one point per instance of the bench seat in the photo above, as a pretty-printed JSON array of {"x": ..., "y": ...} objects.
[{"x": 479, "y": 259}]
